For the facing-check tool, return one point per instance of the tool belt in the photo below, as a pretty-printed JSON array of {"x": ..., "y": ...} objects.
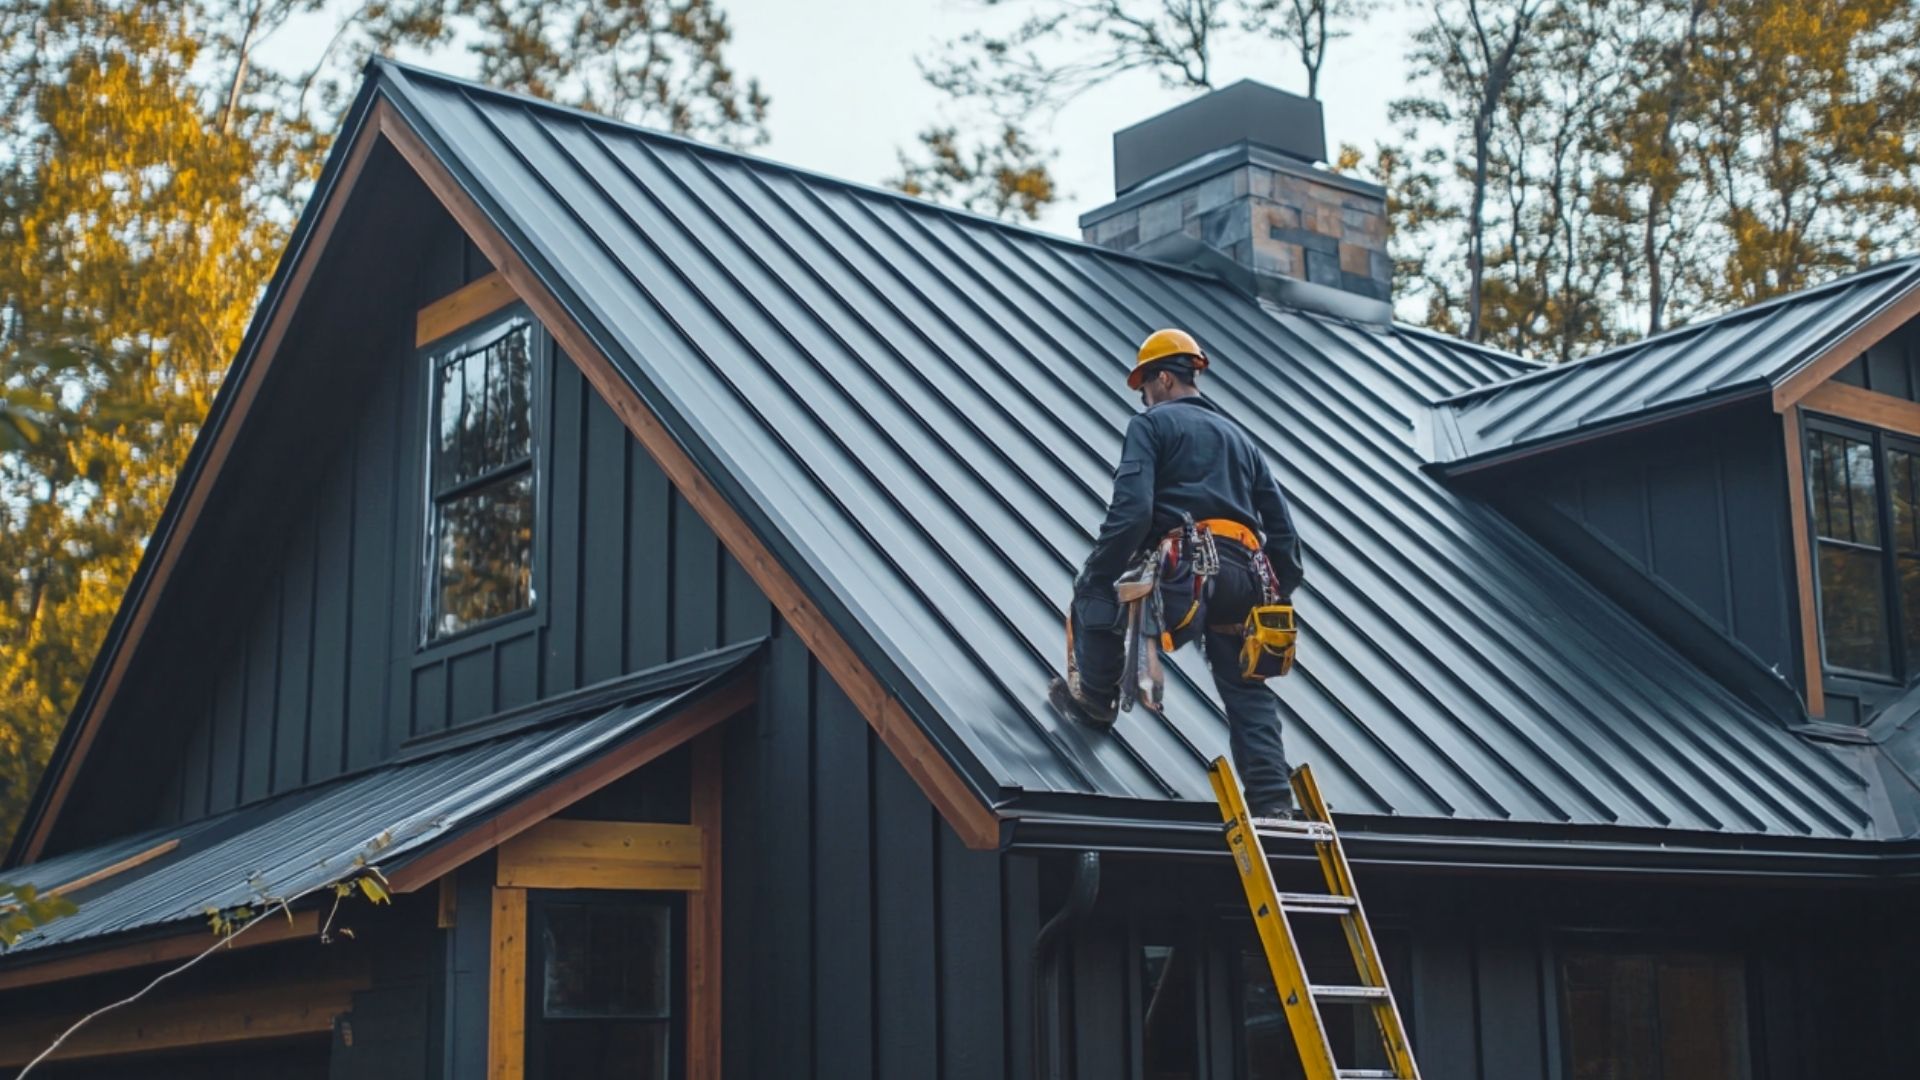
[{"x": 1268, "y": 635}]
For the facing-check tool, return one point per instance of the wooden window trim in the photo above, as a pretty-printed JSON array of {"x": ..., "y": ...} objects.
[
  {"x": 462, "y": 307},
  {"x": 1802, "y": 527},
  {"x": 566, "y": 853},
  {"x": 1876, "y": 410}
]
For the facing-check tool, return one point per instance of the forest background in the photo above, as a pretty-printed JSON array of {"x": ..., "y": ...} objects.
[{"x": 1564, "y": 175}]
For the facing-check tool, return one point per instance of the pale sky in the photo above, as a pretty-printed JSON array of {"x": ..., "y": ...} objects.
[{"x": 846, "y": 93}]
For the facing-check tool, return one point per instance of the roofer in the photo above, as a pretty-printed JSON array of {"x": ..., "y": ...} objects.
[{"x": 1193, "y": 488}]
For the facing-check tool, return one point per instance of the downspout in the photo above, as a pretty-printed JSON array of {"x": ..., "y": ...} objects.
[{"x": 1080, "y": 898}]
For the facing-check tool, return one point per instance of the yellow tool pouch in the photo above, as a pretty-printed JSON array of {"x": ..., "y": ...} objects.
[{"x": 1267, "y": 651}]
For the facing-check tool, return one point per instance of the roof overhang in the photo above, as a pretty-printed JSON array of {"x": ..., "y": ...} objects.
[
  {"x": 1505, "y": 847},
  {"x": 455, "y": 797}
]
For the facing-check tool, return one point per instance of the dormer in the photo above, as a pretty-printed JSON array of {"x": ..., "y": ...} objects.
[{"x": 1749, "y": 485}]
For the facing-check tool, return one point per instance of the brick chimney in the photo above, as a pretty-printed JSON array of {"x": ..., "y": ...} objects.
[{"x": 1228, "y": 183}]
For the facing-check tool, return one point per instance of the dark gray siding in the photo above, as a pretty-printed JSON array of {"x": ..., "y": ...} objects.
[
  {"x": 1688, "y": 528},
  {"x": 327, "y": 675},
  {"x": 1476, "y": 967},
  {"x": 863, "y": 939}
]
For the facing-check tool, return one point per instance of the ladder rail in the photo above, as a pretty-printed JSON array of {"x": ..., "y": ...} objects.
[
  {"x": 1299, "y": 997},
  {"x": 1359, "y": 932},
  {"x": 1276, "y": 934}
]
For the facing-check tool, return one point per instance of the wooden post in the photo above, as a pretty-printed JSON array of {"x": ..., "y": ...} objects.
[
  {"x": 704, "y": 913},
  {"x": 507, "y": 987}
]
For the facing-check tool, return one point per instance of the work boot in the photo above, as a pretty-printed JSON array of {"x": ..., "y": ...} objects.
[
  {"x": 1074, "y": 703},
  {"x": 1280, "y": 811}
]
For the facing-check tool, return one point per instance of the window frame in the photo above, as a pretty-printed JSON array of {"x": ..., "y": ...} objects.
[
  {"x": 1904, "y": 668},
  {"x": 1617, "y": 943},
  {"x": 679, "y": 1006},
  {"x": 428, "y": 360}
]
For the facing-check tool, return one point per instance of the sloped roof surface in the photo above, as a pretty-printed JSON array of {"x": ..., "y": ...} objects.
[
  {"x": 1746, "y": 351},
  {"x": 382, "y": 817},
  {"x": 919, "y": 409}
]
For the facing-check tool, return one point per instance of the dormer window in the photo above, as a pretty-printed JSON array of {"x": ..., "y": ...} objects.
[
  {"x": 1864, "y": 491},
  {"x": 480, "y": 479}
]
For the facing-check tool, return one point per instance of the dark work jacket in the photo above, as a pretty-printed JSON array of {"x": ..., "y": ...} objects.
[{"x": 1186, "y": 456}]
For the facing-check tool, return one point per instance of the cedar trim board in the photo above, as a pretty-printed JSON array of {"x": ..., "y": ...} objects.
[
  {"x": 222, "y": 1017},
  {"x": 1902, "y": 308},
  {"x": 198, "y": 474},
  {"x": 932, "y": 768},
  {"x": 461, "y": 308},
  {"x": 176, "y": 944},
  {"x": 688, "y": 722},
  {"x": 1802, "y": 548},
  {"x": 577, "y": 853},
  {"x": 507, "y": 985},
  {"x": 695, "y": 717},
  {"x": 1864, "y": 407}
]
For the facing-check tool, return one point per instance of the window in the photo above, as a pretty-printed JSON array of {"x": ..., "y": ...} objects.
[
  {"x": 1169, "y": 1012},
  {"x": 1846, "y": 523},
  {"x": 1655, "y": 1016},
  {"x": 1864, "y": 501},
  {"x": 481, "y": 479},
  {"x": 605, "y": 1003}
]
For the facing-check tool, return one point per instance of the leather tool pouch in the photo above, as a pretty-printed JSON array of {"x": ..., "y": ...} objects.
[{"x": 1267, "y": 649}]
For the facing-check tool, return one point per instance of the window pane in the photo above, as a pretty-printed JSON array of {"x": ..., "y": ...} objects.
[
  {"x": 1901, "y": 490},
  {"x": 484, "y": 553},
  {"x": 1842, "y": 475},
  {"x": 1864, "y": 507},
  {"x": 1169, "y": 1021},
  {"x": 1853, "y": 617},
  {"x": 485, "y": 410},
  {"x": 606, "y": 1050},
  {"x": 605, "y": 961},
  {"x": 1909, "y": 569},
  {"x": 1673, "y": 1016}
]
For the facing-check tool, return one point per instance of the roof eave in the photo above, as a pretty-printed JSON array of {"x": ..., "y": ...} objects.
[
  {"x": 1558, "y": 441},
  {"x": 1505, "y": 847}
]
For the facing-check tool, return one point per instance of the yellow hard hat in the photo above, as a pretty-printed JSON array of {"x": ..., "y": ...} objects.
[{"x": 1162, "y": 344}]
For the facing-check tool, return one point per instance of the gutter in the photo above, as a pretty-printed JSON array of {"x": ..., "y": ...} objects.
[{"x": 1649, "y": 854}]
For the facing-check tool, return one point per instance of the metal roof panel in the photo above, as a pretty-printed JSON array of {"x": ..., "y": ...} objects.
[{"x": 919, "y": 409}]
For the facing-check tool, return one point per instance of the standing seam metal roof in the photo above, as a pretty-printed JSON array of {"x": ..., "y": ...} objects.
[
  {"x": 919, "y": 410},
  {"x": 1749, "y": 350}
]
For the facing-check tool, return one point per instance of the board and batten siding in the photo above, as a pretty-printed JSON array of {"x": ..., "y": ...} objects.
[
  {"x": 1687, "y": 528},
  {"x": 329, "y": 676}
]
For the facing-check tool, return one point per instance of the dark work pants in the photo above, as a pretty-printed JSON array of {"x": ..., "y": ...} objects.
[{"x": 1253, "y": 713}]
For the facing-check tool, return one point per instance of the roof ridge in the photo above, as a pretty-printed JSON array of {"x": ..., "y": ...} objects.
[{"x": 387, "y": 65}]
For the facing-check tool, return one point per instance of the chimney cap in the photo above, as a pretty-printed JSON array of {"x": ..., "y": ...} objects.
[{"x": 1245, "y": 112}]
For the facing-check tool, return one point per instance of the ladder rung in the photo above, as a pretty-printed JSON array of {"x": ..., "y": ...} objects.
[
  {"x": 1356, "y": 995},
  {"x": 1316, "y": 903},
  {"x": 1317, "y": 831},
  {"x": 1367, "y": 1074}
]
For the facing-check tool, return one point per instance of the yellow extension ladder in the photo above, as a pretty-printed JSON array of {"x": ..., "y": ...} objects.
[{"x": 1299, "y": 997}]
